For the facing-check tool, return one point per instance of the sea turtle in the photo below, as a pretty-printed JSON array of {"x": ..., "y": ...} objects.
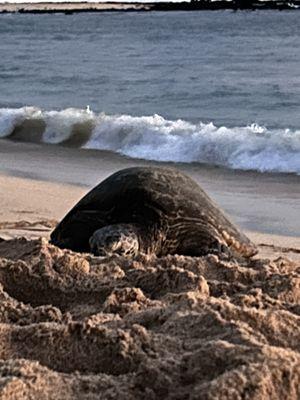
[{"x": 149, "y": 210}]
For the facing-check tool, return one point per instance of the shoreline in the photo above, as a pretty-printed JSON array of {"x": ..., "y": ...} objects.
[{"x": 196, "y": 5}]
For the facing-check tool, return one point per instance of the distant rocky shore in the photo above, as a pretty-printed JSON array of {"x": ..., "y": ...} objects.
[{"x": 71, "y": 7}]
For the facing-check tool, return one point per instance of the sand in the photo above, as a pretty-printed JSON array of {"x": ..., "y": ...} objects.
[
  {"x": 73, "y": 326},
  {"x": 69, "y": 7}
]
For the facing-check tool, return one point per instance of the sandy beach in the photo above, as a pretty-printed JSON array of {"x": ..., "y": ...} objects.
[
  {"x": 74, "y": 326},
  {"x": 198, "y": 309}
]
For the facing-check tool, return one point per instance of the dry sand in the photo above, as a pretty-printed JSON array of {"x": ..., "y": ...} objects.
[
  {"x": 74, "y": 326},
  {"x": 79, "y": 327}
]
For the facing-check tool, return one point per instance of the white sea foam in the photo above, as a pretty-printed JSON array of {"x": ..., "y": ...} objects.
[
  {"x": 10, "y": 118},
  {"x": 155, "y": 138}
]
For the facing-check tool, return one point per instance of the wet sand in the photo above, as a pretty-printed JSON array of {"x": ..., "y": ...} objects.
[{"x": 73, "y": 326}]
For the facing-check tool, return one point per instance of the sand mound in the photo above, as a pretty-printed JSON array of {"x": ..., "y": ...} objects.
[{"x": 74, "y": 326}]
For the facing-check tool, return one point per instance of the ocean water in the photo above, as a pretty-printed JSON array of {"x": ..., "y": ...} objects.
[{"x": 218, "y": 87}]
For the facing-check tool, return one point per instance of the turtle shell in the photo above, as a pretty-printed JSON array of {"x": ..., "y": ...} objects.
[{"x": 165, "y": 202}]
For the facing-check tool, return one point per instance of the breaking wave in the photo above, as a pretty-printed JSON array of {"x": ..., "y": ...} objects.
[{"x": 154, "y": 138}]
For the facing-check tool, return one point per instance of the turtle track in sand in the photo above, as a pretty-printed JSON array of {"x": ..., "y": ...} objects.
[{"x": 73, "y": 326}]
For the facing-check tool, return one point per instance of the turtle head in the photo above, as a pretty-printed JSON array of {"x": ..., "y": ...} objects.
[{"x": 121, "y": 239}]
